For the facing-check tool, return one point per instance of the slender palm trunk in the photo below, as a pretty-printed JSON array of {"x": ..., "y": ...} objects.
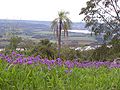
[
  {"x": 57, "y": 31},
  {"x": 64, "y": 33},
  {"x": 59, "y": 37},
  {"x": 54, "y": 31},
  {"x": 67, "y": 33}
]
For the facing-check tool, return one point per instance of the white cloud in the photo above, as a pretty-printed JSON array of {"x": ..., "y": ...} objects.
[{"x": 39, "y": 9}]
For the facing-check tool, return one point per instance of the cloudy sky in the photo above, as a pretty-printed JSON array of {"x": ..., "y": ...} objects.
[{"x": 45, "y": 10}]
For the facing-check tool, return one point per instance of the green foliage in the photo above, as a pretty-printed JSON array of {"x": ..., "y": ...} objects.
[
  {"x": 101, "y": 53},
  {"x": 86, "y": 55},
  {"x": 115, "y": 49},
  {"x": 116, "y": 45},
  {"x": 103, "y": 16},
  {"x": 27, "y": 44},
  {"x": 68, "y": 54},
  {"x": 45, "y": 49},
  {"x": 31, "y": 77},
  {"x": 14, "y": 41},
  {"x": 65, "y": 23}
]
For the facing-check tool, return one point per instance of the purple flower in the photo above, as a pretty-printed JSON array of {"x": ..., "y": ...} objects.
[
  {"x": 29, "y": 62},
  {"x": 20, "y": 61},
  {"x": 18, "y": 55},
  {"x": 37, "y": 58},
  {"x": 69, "y": 64},
  {"x": 52, "y": 61},
  {"x": 58, "y": 59},
  {"x": 47, "y": 62},
  {"x": 2, "y": 55},
  {"x": 15, "y": 62},
  {"x": 68, "y": 71},
  {"x": 9, "y": 60},
  {"x": 24, "y": 59},
  {"x": 13, "y": 53},
  {"x": 59, "y": 62}
]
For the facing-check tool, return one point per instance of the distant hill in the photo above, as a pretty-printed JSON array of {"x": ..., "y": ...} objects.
[
  {"x": 37, "y": 30},
  {"x": 35, "y": 24},
  {"x": 41, "y": 30},
  {"x": 27, "y": 27}
]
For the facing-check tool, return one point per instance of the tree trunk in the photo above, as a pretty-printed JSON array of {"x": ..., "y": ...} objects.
[
  {"x": 67, "y": 33},
  {"x": 64, "y": 33},
  {"x": 57, "y": 32},
  {"x": 59, "y": 37}
]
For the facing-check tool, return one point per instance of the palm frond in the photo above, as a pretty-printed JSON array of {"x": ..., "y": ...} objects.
[{"x": 65, "y": 25}]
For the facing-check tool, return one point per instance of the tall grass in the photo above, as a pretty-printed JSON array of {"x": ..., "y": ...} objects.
[{"x": 39, "y": 77}]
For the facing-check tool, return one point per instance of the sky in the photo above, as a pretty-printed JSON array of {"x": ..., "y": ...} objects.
[{"x": 40, "y": 10}]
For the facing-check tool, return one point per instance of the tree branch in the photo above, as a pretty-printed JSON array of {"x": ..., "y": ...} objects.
[{"x": 118, "y": 17}]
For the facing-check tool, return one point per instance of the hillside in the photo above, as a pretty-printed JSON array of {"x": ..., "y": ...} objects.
[
  {"x": 33, "y": 25},
  {"x": 37, "y": 30}
]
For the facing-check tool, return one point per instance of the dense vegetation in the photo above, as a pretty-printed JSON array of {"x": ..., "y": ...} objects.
[
  {"x": 49, "y": 66},
  {"x": 103, "y": 17},
  {"x": 47, "y": 49},
  {"x": 38, "y": 68},
  {"x": 19, "y": 72}
]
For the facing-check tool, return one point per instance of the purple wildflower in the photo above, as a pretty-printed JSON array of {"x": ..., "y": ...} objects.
[
  {"x": 59, "y": 62},
  {"x": 69, "y": 64},
  {"x": 52, "y": 61},
  {"x": 29, "y": 62},
  {"x": 15, "y": 62},
  {"x": 13, "y": 53},
  {"x": 68, "y": 71},
  {"x": 9, "y": 60}
]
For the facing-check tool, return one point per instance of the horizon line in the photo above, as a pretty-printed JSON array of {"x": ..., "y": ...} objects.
[{"x": 36, "y": 20}]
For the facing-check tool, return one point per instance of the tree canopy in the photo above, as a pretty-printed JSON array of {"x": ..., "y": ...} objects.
[
  {"x": 65, "y": 23},
  {"x": 103, "y": 16}
]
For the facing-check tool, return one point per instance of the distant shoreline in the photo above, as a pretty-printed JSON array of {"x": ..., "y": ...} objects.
[{"x": 80, "y": 31}]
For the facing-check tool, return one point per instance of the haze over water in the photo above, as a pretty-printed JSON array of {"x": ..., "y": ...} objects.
[{"x": 80, "y": 31}]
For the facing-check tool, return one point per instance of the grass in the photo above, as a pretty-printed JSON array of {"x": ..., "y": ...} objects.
[{"x": 39, "y": 77}]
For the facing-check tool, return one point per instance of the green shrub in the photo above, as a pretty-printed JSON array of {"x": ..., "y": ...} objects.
[
  {"x": 14, "y": 41},
  {"x": 45, "y": 49}
]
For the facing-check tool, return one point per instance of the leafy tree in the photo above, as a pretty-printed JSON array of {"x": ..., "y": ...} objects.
[
  {"x": 14, "y": 41},
  {"x": 27, "y": 44},
  {"x": 45, "y": 49},
  {"x": 103, "y": 16},
  {"x": 101, "y": 53},
  {"x": 68, "y": 54},
  {"x": 59, "y": 23}
]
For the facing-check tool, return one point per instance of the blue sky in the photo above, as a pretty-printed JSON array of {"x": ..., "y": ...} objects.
[{"x": 45, "y": 10}]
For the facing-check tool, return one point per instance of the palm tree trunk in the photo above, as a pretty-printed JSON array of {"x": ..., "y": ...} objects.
[
  {"x": 67, "y": 33},
  {"x": 64, "y": 33},
  {"x": 54, "y": 32},
  {"x": 57, "y": 32},
  {"x": 59, "y": 37}
]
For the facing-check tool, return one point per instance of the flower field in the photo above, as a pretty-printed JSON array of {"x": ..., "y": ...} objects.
[{"x": 20, "y": 72}]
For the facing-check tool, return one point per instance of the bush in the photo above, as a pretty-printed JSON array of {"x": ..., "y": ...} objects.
[
  {"x": 14, "y": 41},
  {"x": 101, "y": 53},
  {"x": 45, "y": 49}
]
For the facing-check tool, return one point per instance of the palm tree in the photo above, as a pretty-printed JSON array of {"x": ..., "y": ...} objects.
[{"x": 59, "y": 23}]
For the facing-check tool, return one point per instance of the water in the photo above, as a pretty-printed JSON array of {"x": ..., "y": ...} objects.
[{"x": 80, "y": 31}]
